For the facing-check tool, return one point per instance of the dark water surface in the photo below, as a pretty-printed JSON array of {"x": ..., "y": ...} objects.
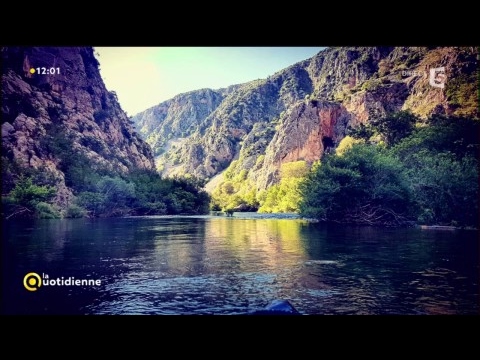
[{"x": 218, "y": 265}]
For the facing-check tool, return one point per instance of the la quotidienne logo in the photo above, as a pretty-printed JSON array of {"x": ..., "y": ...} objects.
[{"x": 33, "y": 281}]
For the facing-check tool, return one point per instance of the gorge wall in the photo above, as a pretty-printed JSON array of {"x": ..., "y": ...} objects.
[
  {"x": 302, "y": 111},
  {"x": 67, "y": 108}
]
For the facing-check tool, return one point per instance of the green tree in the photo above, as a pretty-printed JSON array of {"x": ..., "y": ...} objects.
[
  {"x": 364, "y": 186},
  {"x": 395, "y": 127},
  {"x": 445, "y": 188},
  {"x": 75, "y": 211},
  {"x": 285, "y": 196},
  {"x": 93, "y": 202},
  {"x": 118, "y": 195},
  {"x": 271, "y": 200},
  {"x": 391, "y": 128},
  {"x": 363, "y": 132},
  {"x": 150, "y": 193},
  {"x": 228, "y": 188},
  {"x": 457, "y": 135},
  {"x": 27, "y": 199},
  {"x": 439, "y": 160},
  {"x": 156, "y": 196},
  {"x": 44, "y": 210},
  {"x": 346, "y": 143},
  {"x": 441, "y": 163},
  {"x": 293, "y": 169}
]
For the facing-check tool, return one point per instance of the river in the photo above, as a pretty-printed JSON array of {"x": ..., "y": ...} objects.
[{"x": 219, "y": 265}]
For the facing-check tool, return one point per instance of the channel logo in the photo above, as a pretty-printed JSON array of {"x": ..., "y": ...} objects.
[
  {"x": 437, "y": 77},
  {"x": 32, "y": 281}
]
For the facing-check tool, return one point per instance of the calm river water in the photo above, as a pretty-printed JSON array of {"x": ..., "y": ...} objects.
[{"x": 219, "y": 265}]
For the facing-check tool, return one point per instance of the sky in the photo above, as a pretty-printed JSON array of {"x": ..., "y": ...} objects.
[{"x": 143, "y": 77}]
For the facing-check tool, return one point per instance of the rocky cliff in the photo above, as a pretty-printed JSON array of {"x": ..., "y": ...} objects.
[
  {"x": 304, "y": 110},
  {"x": 54, "y": 101}
]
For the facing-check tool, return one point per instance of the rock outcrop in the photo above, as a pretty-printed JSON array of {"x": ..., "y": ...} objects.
[
  {"x": 309, "y": 129},
  {"x": 304, "y": 110},
  {"x": 69, "y": 102}
]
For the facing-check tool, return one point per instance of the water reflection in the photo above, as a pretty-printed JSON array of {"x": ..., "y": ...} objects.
[
  {"x": 215, "y": 265},
  {"x": 255, "y": 244}
]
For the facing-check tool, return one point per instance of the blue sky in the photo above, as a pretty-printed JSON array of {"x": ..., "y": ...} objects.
[{"x": 144, "y": 77}]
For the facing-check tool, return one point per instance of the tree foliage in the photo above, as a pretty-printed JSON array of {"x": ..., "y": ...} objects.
[
  {"x": 285, "y": 196},
  {"x": 29, "y": 199},
  {"x": 441, "y": 163},
  {"x": 425, "y": 172},
  {"x": 346, "y": 143},
  {"x": 445, "y": 189},
  {"x": 391, "y": 129},
  {"x": 237, "y": 192},
  {"x": 364, "y": 186},
  {"x": 144, "y": 192},
  {"x": 395, "y": 127},
  {"x": 141, "y": 192}
]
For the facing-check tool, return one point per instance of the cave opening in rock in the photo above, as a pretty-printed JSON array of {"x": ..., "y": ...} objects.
[{"x": 328, "y": 144}]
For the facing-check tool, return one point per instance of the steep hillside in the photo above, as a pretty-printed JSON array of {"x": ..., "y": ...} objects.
[
  {"x": 56, "y": 113},
  {"x": 176, "y": 118},
  {"x": 304, "y": 110}
]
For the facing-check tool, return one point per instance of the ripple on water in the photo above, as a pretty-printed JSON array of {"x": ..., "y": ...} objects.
[
  {"x": 209, "y": 294},
  {"x": 218, "y": 265},
  {"x": 321, "y": 262}
]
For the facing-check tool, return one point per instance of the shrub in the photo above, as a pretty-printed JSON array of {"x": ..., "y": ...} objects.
[
  {"x": 75, "y": 211},
  {"x": 46, "y": 211},
  {"x": 365, "y": 186}
]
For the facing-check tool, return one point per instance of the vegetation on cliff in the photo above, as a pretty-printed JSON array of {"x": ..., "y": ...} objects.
[
  {"x": 306, "y": 109},
  {"x": 399, "y": 170},
  {"x": 396, "y": 170},
  {"x": 68, "y": 148},
  {"x": 351, "y": 135},
  {"x": 103, "y": 194},
  {"x": 98, "y": 190}
]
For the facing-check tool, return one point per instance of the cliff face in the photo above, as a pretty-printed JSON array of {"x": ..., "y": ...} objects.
[
  {"x": 306, "y": 132},
  {"x": 304, "y": 110},
  {"x": 176, "y": 118},
  {"x": 70, "y": 104}
]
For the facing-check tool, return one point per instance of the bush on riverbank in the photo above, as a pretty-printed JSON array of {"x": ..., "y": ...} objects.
[
  {"x": 365, "y": 185},
  {"x": 139, "y": 193},
  {"x": 428, "y": 174}
]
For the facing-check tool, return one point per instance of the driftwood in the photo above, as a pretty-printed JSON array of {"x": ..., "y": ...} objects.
[
  {"x": 19, "y": 211},
  {"x": 369, "y": 215},
  {"x": 437, "y": 227}
]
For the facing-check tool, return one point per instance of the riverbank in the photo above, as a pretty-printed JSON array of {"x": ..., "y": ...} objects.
[
  {"x": 444, "y": 227},
  {"x": 256, "y": 215}
]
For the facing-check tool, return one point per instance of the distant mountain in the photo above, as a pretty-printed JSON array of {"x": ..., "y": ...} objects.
[
  {"x": 178, "y": 117},
  {"x": 302, "y": 111},
  {"x": 59, "y": 114}
]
